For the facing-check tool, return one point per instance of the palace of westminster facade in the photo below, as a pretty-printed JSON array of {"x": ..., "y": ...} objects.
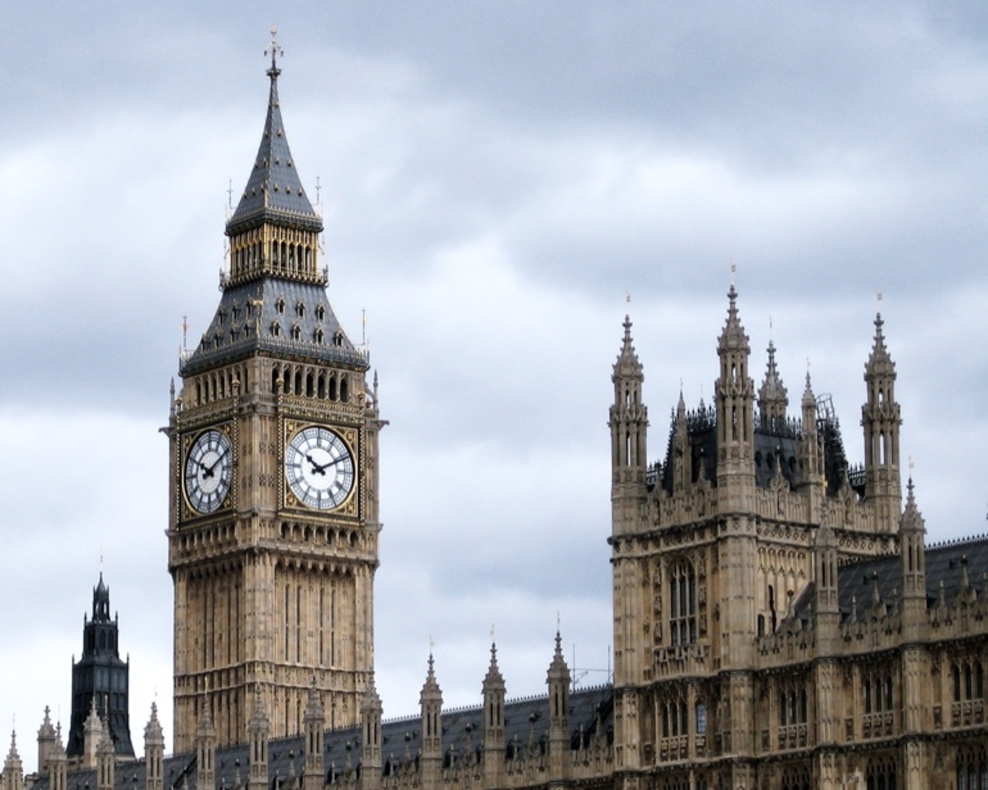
[{"x": 778, "y": 622}]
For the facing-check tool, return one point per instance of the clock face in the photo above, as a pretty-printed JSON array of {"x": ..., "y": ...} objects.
[
  {"x": 208, "y": 471},
  {"x": 319, "y": 468}
]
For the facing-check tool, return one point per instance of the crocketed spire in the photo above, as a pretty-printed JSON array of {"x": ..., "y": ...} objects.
[
  {"x": 733, "y": 338},
  {"x": 879, "y": 362},
  {"x": 627, "y": 362},
  {"x": 493, "y": 680},
  {"x": 430, "y": 689},
  {"x": 773, "y": 398}
]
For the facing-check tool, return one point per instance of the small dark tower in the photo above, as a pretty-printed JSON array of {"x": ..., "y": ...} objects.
[{"x": 100, "y": 675}]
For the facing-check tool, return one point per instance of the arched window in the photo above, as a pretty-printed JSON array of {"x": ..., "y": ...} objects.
[{"x": 682, "y": 603}]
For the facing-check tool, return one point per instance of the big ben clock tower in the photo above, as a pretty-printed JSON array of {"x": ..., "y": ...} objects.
[{"x": 273, "y": 521}]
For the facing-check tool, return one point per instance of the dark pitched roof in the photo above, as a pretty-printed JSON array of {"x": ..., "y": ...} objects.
[
  {"x": 526, "y": 727},
  {"x": 857, "y": 581},
  {"x": 274, "y": 191},
  {"x": 266, "y": 316}
]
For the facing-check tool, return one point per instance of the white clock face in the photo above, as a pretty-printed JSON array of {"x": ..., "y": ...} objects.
[
  {"x": 319, "y": 468},
  {"x": 208, "y": 471}
]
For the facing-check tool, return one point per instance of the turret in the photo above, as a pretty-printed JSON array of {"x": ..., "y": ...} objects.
[
  {"x": 46, "y": 741},
  {"x": 682, "y": 460},
  {"x": 101, "y": 678},
  {"x": 431, "y": 702},
  {"x": 773, "y": 398},
  {"x": 912, "y": 530},
  {"x": 13, "y": 769},
  {"x": 827, "y": 613},
  {"x": 628, "y": 423},
  {"x": 258, "y": 730},
  {"x": 92, "y": 731},
  {"x": 315, "y": 763},
  {"x": 57, "y": 764},
  {"x": 154, "y": 752},
  {"x": 734, "y": 395},
  {"x": 371, "y": 712},
  {"x": 493, "y": 724},
  {"x": 880, "y": 420},
  {"x": 205, "y": 751},
  {"x": 735, "y": 407},
  {"x": 558, "y": 680},
  {"x": 104, "y": 759}
]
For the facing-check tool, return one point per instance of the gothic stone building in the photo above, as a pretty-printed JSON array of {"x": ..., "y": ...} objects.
[{"x": 779, "y": 623}]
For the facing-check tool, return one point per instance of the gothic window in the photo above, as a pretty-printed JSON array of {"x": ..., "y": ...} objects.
[
  {"x": 317, "y": 335},
  {"x": 338, "y": 338},
  {"x": 280, "y": 305},
  {"x": 880, "y": 774},
  {"x": 797, "y": 778},
  {"x": 969, "y": 680},
  {"x": 972, "y": 769},
  {"x": 701, "y": 719},
  {"x": 276, "y": 329},
  {"x": 682, "y": 603},
  {"x": 300, "y": 310},
  {"x": 296, "y": 332},
  {"x": 675, "y": 719},
  {"x": 320, "y": 312}
]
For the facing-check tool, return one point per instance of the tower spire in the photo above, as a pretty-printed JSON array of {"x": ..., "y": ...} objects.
[
  {"x": 273, "y": 199},
  {"x": 628, "y": 423},
  {"x": 773, "y": 398},
  {"x": 880, "y": 420},
  {"x": 734, "y": 395}
]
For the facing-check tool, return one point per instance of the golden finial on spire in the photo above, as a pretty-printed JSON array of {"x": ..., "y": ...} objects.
[{"x": 274, "y": 50}]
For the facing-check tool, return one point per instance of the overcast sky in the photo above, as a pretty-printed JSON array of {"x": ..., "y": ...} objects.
[{"x": 496, "y": 180}]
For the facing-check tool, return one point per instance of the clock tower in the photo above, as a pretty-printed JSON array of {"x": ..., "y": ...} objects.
[{"x": 273, "y": 518}]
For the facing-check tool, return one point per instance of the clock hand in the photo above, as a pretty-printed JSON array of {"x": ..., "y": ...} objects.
[
  {"x": 321, "y": 468},
  {"x": 208, "y": 471},
  {"x": 316, "y": 469}
]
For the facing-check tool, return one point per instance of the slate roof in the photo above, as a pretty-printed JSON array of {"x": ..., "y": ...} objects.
[
  {"x": 773, "y": 440},
  {"x": 944, "y": 563},
  {"x": 526, "y": 727},
  {"x": 263, "y": 316},
  {"x": 274, "y": 192},
  {"x": 856, "y": 580}
]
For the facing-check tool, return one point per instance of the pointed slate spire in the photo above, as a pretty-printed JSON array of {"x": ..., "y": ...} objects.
[{"x": 274, "y": 191}]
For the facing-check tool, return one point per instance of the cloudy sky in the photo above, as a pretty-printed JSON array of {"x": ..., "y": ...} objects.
[{"x": 496, "y": 180}]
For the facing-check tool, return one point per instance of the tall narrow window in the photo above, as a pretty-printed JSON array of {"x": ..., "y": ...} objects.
[{"x": 682, "y": 603}]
